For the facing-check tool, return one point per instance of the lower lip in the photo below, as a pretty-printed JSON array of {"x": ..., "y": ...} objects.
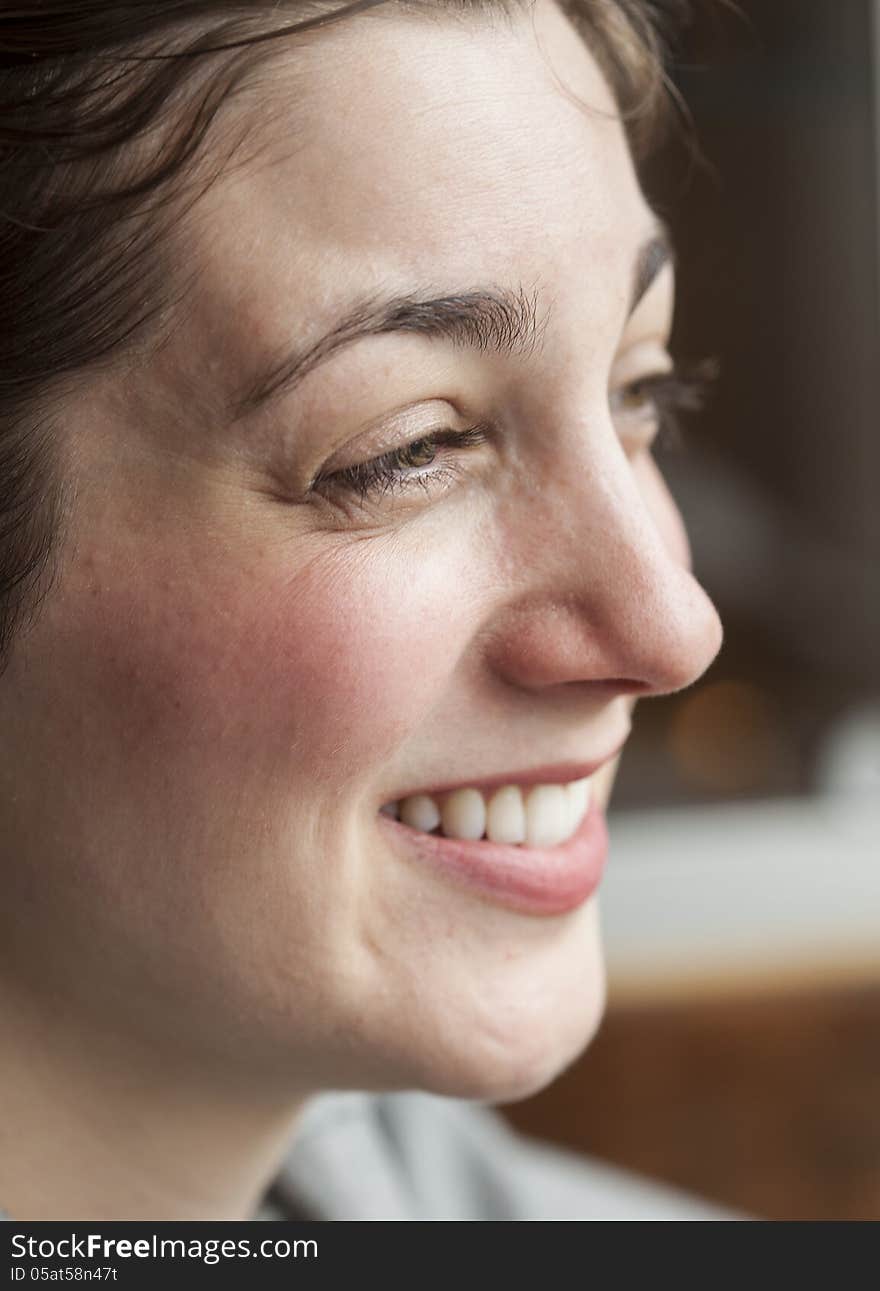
[{"x": 531, "y": 880}]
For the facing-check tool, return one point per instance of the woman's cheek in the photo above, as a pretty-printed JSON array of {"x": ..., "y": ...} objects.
[
  {"x": 364, "y": 643},
  {"x": 320, "y": 665}
]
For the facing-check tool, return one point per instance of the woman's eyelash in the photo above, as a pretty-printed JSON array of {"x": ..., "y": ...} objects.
[
  {"x": 390, "y": 471},
  {"x": 667, "y": 394}
]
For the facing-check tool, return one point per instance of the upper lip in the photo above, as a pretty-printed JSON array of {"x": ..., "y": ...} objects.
[{"x": 551, "y": 773}]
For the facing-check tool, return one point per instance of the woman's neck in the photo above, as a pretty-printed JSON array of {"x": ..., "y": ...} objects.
[{"x": 95, "y": 1128}]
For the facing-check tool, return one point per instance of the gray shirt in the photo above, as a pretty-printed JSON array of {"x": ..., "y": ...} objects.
[{"x": 418, "y": 1156}]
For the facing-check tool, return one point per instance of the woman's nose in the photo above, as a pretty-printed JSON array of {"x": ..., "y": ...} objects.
[{"x": 605, "y": 593}]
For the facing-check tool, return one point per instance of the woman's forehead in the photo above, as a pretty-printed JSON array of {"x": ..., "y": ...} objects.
[{"x": 442, "y": 156}]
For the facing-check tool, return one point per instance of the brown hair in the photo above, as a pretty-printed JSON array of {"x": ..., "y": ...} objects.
[{"x": 104, "y": 109}]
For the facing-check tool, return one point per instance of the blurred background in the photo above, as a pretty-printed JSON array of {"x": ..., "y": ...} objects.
[{"x": 740, "y": 1055}]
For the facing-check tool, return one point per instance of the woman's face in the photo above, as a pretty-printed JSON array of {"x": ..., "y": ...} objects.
[{"x": 235, "y": 671}]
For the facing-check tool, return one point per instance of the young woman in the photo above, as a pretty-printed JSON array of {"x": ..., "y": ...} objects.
[{"x": 334, "y": 559}]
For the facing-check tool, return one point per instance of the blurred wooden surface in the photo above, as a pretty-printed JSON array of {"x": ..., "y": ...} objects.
[{"x": 769, "y": 1103}]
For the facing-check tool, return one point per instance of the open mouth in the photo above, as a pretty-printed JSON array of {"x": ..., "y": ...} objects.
[
  {"x": 534, "y": 841},
  {"x": 538, "y": 815}
]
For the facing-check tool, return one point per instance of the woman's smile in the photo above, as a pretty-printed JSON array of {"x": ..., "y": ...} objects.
[
  {"x": 556, "y": 868},
  {"x": 542, "y": 816},
  {"x": 532, "y": 840}
]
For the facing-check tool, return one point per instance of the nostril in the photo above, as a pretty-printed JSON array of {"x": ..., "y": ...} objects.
[
  {"x": 609, "y": 687},
  {"x": 623, "y": 685}
]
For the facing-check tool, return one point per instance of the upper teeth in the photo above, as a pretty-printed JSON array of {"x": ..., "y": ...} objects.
[{"x": 541, "y": 816}]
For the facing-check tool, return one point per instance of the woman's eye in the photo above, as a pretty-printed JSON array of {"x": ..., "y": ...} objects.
[
  {"x": 637, "y": 398},
  {"x": 402, "y": 468},
  {"x": 642, "y": 408},
  {"x": 651, "y": 404}
]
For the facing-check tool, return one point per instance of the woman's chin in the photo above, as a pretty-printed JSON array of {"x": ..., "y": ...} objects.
[
  {"x": 490, "y": 1074},
  {"x": 510, "y": 1047}
]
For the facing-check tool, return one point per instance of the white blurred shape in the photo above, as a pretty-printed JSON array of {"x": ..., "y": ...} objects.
[{"x": 850, "y": 759}]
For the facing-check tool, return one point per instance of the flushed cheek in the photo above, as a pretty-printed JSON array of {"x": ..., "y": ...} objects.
[
  {"x": 318, "y": 671},
  {"x": 363, "y": 645}
]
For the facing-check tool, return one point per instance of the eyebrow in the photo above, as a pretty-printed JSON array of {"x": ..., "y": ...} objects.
[{"x": 494, "y": 319}]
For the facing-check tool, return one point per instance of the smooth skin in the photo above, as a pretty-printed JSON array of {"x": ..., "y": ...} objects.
[{"x": 203, "y": 923}]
